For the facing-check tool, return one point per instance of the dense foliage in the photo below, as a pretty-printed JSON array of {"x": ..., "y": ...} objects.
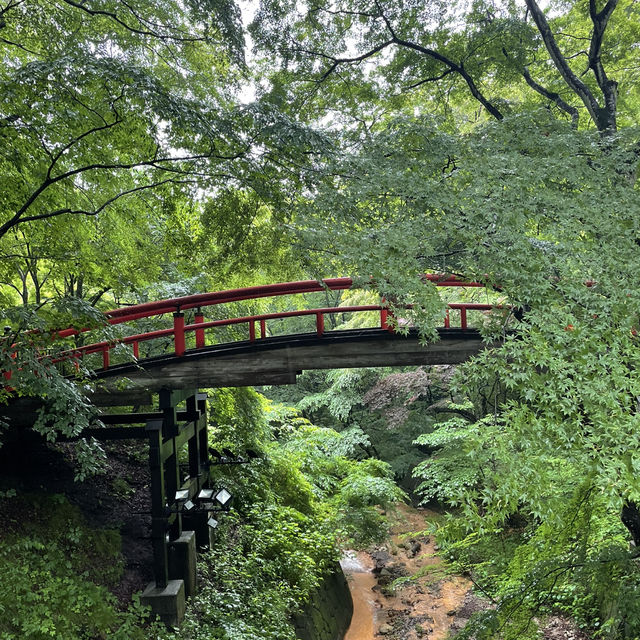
[
  {"x": 497, "y": 141},
  {"x": 56, "y": 571},
  {"x": 124, "y": 152},
  {"x": 391, "y": 407},
  {"x": 494, "y": 140},
  {"x": 293, "y": 510}
]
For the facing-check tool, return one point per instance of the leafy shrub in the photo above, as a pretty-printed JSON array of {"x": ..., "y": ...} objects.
[
  {"x": 51, "y": 563},
  {"x": 578, "y": 564}
]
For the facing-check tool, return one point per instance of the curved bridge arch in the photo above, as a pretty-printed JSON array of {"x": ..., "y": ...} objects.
[
  {"x": 195, "y": 360},
  {"x": 278, "y": 360}
]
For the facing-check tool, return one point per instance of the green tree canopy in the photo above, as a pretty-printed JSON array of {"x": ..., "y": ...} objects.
[
  {"x": 368, "y": 57},
  {"x": 497, "y": 141}
]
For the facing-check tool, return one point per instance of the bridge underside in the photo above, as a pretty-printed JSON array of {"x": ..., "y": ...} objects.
[
  {"x": 268, "y": 361},
  {"x": 278, "y": 360}
]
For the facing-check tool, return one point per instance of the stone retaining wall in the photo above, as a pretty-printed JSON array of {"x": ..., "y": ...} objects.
[{"x": 328, "y": 613}]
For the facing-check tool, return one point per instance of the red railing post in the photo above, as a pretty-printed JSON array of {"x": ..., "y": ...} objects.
[
  {"x": 387, "y": 325},
  {"x": 105, "y": 357},
  {"x": 319, "y": 323},
  {"x": 447, "y": 322},
  {"x": 178, "y": 333},
  {"x": 199, "y": 319},
  {"x": 463, "y": 318},
  {"x": 263, "y": 329},
  {"x": 136, "y": 350},
  {"x": 384, "y": 314},
  {"x": 252, "y": 330}
]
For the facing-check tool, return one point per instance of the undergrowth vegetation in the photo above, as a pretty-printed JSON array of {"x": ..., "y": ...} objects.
[
  {"x": 392, "y": 407},
  {"x": 579, "y": 566},
  {"x": 56, "y": 571},
  {"x": 536, "y": 535},
  {"x": 294, "y": 507},
  {"x": 529, "y": 562}
]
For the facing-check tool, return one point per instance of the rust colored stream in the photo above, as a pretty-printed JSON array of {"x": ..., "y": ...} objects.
[
  {"x": 424, "y": 608},
  {"x": 362, "y": 625}
]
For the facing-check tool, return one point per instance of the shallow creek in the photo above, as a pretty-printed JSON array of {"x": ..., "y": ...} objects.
[{"x": 426, "y": 608}]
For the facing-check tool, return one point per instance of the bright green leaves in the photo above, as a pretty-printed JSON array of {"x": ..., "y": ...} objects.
[
  {"x": 242, "y": 239},
  {"x": 578, "y": 565},
  {"x": 345, "y": 390},
  {"x": 518, "y": 204},
  {"x": 347, "y": 491},
  {"x": 113, "y": 120},
  {"x": 544, "y": 213},
  {"x": 467, "y": 62},
  {"x": 104, "y": 105}
]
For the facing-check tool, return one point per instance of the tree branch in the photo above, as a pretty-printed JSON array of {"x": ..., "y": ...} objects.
[
  {"x": 49, "y": 181},
  {"x": 458, "y": 68},
  {"x": 96, "y": 297},
  {"x": 104, "y": 205},
  {"x": 467, "y": 415},
  {"x": 16, "y": 44},
  {"x": 71, "y": 143},
  {"x": 444, "y": 74},
  {"x": 576, "y": 85},
  {"x": 143, "y": 32},
  {"x": 395, "y": 39},
  {"x": 608, "y": 87},
  {"x": 3, "y": 10},
  {"x": 336, "y": 62},
  {"x": 554, "y": 97}
]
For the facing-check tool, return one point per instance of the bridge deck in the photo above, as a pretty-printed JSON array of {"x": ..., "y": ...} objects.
[{"x": 278, "y": 360}]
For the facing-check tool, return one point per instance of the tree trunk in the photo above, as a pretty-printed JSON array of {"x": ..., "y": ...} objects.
[{"x": 630, "y": 517}]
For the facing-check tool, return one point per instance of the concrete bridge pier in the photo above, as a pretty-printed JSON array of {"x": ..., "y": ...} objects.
[
  {"x": 168, "y": 602},
  {"x": 182, "y": 561}
]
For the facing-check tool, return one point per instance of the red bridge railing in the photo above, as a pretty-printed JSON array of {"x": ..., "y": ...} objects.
[{"x": 256, "y": 323}]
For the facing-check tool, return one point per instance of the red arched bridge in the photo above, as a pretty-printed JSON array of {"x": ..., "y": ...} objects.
[{"x": 194, "y": 356}]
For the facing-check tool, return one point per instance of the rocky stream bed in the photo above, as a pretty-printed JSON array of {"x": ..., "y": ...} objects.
[{"x": 431, "y": 604}]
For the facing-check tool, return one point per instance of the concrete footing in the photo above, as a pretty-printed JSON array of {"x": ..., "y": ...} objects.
[
  {"x": 182, "y": 561},
  {"x": 168, "y": 603}
]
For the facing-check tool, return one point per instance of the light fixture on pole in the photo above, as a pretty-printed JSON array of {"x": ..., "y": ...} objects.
[
  {"x": 205, "y": 494},
  {"x": 223, "y": 497},
  {"x": 214, "y": 499},
  {"x": 184, "y": 500}
]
